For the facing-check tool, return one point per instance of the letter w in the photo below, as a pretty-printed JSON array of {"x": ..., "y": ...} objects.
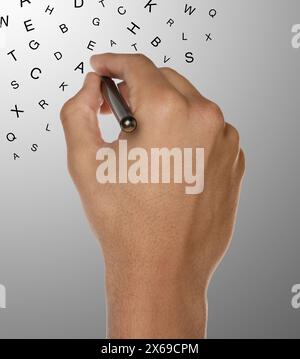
[{"x": 189, "y": 9}]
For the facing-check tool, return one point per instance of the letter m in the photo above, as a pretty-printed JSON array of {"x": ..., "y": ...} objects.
[{"x": 194, "y": 350}]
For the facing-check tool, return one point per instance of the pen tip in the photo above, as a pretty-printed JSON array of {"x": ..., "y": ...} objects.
[{"x": 128, "y": 124}]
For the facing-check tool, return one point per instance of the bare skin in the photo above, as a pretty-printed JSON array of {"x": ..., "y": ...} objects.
[{"x": 160, "y": 245}]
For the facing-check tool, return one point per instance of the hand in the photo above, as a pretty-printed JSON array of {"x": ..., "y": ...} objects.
[{"x": 160, "y": 245}]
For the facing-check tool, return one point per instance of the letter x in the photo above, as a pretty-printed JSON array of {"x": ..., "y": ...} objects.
[
  {"x": 17, "y": 111},
  {"x": 208, "y": 37}
]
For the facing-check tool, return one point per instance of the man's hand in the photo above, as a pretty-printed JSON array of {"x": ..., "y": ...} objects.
[{"x": 160, "y": 245}]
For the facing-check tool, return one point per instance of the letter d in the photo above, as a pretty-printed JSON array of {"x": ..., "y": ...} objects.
[
  {"x": 58, "y": 55},
  {"x": 78, "y": 3}
]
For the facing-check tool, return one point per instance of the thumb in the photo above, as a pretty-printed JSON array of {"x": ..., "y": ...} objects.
[
  {"x": 80, "y": 123},
  {"x": 79, "y": 115}
]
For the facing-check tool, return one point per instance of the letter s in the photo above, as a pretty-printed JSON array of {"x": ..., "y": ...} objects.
[{"x": 296, "y": 38}]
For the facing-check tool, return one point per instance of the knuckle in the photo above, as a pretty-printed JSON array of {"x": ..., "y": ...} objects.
[
  {"x": 232, "y": 140},
  {"x": 168, "y": 70},
  {"x": 142, "y": 58},
  {"x": 214, "y": 111},
  {"x": 68, "y": 108},
  {"x": 171, "y": 100},
  {"x": 198, "y": 106},
  {"x": 233, "y": 134},
  {"x": 209, "y": 112},
  {"x": 137, "y": 61},
  {"x": 242, "y": 162},
  {"x": 75, "y": 107},
  {"x": 215, "y": 115}
]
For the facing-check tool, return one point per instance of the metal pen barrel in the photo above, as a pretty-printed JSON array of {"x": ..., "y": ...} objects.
[{"x": 118, "y": 105}]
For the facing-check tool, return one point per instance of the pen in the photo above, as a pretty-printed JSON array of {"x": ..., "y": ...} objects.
[{"x": 118, "y": 105}]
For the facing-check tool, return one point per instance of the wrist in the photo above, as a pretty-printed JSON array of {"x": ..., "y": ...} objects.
[{"x": 160, "y": 304}]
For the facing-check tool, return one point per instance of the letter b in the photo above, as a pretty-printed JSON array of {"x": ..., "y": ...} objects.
[{"x": 63, "y": 28}]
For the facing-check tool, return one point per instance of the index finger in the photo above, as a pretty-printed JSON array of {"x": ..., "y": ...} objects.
[{"x": 138, "y": 71}]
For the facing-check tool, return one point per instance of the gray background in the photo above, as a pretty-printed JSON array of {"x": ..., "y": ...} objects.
[{"x": 49, "y": 261}]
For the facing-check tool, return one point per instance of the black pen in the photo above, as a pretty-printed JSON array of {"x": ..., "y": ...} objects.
[{"x": 118, "y": 105}]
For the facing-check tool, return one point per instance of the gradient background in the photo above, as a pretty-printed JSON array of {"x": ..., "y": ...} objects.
[{"x": 49, "y": 261}]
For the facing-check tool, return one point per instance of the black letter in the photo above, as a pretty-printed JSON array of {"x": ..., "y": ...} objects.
[
  {"x": 96, "y": 21},
  {"x": 62, "y": 86},
  {"x": 80, "y": 67},
  {"x": 49, "y": 9},
  {"x": 58, "y": 55},
  {"x": 132, "y": 29},
  {"x": 34, "y": 147},
  {"x": 12, "y": 54},
  {"x": 4, "y": 21},
  {"x": 189, "y": 9},
  {"x": 34, "y": 45},
  {"x": 28, "y": 25},
  {"x": 63, "y": 28},
  {"x": 22, "y": 1},
  {"x": 149, "y": 4},
  {"x": 33, "y": 70},
  {"x": 15, "y": 85},
  {"x": 43, "y": 103},
  {"x": 135, "y": 47},
  {"x": 171, "y": 22},
  {"x": 189, "y": 57},
  {"x": 80, "y": 5},
  {"x": 156, "y": 41},
  {"x": 166, "y": 59},
  {"x": 119, "y": 10},
  {"x": 91, "y": 45}
]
